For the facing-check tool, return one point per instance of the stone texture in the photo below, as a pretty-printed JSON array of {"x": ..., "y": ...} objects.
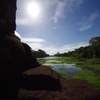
[
  {"x": 33, "y": 88},
  {"x": 39, "y": 83},
  {"x": 7, "y": 16}
]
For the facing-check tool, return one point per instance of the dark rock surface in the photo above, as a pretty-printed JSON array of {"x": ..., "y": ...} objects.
[
  {"x": 7, "y": 16},
  {"x": 40, "y": 83},
  {"x": 43, "y": 83}
]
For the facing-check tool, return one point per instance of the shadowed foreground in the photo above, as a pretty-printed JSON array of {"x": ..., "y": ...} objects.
[{"x": 42, "y": 83}]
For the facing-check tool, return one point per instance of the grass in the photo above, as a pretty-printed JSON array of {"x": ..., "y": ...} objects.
[
  {"x": 89, "y": 77},
  {"x": 62, "y": 68},
  {"x": 86, "y": 63},
  {"x": 41, "y": 61},
  {"x": 51, "y": 66},
  {"x": 65, "y": 75},
  {"x": 96, "y": 67}
]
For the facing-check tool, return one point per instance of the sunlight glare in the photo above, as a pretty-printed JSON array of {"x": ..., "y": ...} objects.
[{"x": 33, "y": 9}]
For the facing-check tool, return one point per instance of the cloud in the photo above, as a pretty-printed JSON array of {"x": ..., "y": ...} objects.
[
  {"x": 39, "y": 43},
  {"x": 36, "y": 46},
  {"x": 65, "y": 48},
  {"x": 70, "y": 5},
  {"x": 71, "y": 47},
  {"x": 29, "y": 40},
  {"x": 17, "y": 34},
  {"x": 74, "y": 3},
  {"x": 59, "y": 11},
  {"x": 88, "y": 22},
  {"x": 51, "y": 49},
  {"x": 32, "y": 40},
  {"x": 58, "y": 8},
  {"x": 23, "y": 21}
]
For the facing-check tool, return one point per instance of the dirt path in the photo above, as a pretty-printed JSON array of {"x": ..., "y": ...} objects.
[{"x": 42, "y": 83}]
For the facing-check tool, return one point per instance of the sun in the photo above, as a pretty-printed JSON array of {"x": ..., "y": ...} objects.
[{"x": 33, "y": 9}]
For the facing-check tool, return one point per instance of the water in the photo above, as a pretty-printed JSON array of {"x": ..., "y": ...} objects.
[
  {"x": 70, "y": 69},
  {"x": 67, "y": 68}
]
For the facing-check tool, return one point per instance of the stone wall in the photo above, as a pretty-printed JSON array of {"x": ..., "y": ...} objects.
[{"x": 7, "y": 16}]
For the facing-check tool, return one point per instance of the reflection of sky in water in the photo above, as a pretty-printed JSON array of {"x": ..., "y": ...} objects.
[
  {"x": 71, "y": 69},
  {"x": 50, "y": 61},
  {"x": 68, "y": 68}
]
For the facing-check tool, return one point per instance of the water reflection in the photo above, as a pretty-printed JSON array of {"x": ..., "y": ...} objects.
[
  {"x": 70, "y": 69},
  {"x": 67, "y": 68}
]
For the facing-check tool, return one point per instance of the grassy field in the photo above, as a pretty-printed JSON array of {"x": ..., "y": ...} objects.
[
  {"x": 84, "y": 63},
  {"x": 87, "y": 76},
  {"x": 90, "y": 77}
]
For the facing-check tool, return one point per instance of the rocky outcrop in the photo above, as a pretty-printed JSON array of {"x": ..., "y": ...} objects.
[
  {"x": 7, "y": 16},
  {"x": 43, "y": 83},
  {"x": 39, "y": 83},
  {"x": 15, "y": 57}
]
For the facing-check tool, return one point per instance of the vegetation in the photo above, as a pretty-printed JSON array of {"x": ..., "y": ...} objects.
[
  {"x": 62, "y": 68},
  {"x": 40, "y": 53},
  {"x": 86, "y": 57},
  {"x": 89, "y": 77},
  {"x": 89, "y": 52},
  {"x": 84, "y": 63},
  {"x": 65, "y": 75},
  {"x": 41, "y": 61}
]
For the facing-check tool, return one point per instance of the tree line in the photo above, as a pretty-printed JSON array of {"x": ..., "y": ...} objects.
[
  {"x": 40, "y": 53},
  {"x": 88, "y": 52}
]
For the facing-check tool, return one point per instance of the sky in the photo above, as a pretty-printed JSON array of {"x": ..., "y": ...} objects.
[{"x": 57, "y": 25}]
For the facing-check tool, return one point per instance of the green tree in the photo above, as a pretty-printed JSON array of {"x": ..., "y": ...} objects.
[
  {"x": 40, "y": 53},
  {"x": 95, "y": 46}
]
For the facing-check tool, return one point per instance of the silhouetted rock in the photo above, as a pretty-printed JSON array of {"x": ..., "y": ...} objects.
[
  {"x": 14, "y": 59},
  {"x": 43, "y": 83},
  {"x": 13, "y": 55},
  {"x": 41, "y": 78},
  {"x": 7, "y": 16},
  {"x": 30, "y": 60},
  {"x": 39, "y": 83}
]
